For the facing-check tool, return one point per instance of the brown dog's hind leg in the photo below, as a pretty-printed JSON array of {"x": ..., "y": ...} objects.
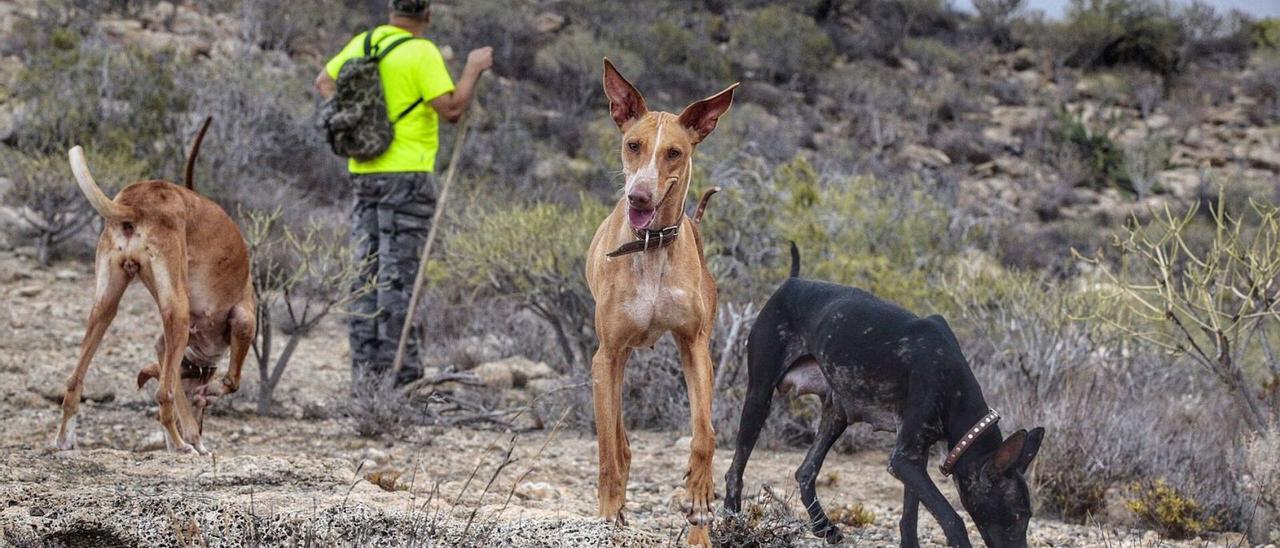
[
  {"x": 111, "y": 283},
  {"x": 166, "y": 278},
  {"x": 696, "y": 358}
]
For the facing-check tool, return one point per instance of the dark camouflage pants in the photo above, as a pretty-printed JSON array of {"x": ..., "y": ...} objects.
[{"x": 389, "y": 223}]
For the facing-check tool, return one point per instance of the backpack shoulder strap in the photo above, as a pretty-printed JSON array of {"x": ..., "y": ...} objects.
[
  {"x": 383, "y": 52},
  {"x": 368, "y": 42}
]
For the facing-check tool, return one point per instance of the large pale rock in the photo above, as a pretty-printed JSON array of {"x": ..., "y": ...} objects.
[
  {"x": 495, "y": 374},
  {"x": 513, "y": 372},
  {"x": 918, "y": 156}
]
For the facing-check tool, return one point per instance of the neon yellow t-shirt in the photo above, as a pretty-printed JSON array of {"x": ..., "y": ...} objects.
[{"x": 415, "y": 69}]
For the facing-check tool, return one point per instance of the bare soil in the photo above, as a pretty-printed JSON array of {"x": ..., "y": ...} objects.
[{"x": 304, "y": 477}]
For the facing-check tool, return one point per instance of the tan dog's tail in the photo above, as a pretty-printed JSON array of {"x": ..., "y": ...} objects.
[
  {"x": 188, "y": 174},
  {"x": 100, "y": 202},
  {"x": 702, "y": 204}
]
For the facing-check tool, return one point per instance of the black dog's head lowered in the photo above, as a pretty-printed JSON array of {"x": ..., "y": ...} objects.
[{"x": 994, "y": 491}]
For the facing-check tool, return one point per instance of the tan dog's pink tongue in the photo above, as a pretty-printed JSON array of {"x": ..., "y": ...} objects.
[{"x": 640, "y": 219}]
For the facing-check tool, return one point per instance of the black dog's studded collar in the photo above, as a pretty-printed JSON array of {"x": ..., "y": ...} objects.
[
  {"x": 647, "y": 239},
  {"x": 988, "y": 420}
]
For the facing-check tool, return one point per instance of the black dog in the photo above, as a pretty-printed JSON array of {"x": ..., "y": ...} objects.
[{"x": 874, "y": 362}]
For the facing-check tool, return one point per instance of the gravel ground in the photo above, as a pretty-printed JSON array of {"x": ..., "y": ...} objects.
[{"x": 304, "y": 476}]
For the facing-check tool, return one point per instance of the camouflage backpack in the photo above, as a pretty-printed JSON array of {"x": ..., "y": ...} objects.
[{"x": 355, "y": 118}]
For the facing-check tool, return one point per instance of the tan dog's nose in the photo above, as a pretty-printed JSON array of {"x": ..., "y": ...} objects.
[{"x": 640, "y": 199}]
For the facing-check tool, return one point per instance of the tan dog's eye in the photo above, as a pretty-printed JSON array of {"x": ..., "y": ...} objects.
[
  {"x": 633, "y": 146},
  {"x": 673, "y": 154}
]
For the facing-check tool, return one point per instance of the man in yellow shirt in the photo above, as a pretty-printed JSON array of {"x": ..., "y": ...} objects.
[{"x": 394, "y": 192}]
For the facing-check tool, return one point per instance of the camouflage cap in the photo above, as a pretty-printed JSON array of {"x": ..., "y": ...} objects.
[{"x": 410, "y": 8}]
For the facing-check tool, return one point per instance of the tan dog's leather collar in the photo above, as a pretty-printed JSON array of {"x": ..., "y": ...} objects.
[
  {"x": 655, "y": 239},
  {"x": 647, "y": 239},
  {"x": 988, "y": 420}
]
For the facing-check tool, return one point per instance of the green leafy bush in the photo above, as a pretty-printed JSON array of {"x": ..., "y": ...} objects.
[
  {"x": 933, "y": 55},
  {"x": 1102, "y": 157},
  {"x": 1106, "y": 33},
  {"x": 782, "y": 45},
  {"x": 1265, "y": 33}
]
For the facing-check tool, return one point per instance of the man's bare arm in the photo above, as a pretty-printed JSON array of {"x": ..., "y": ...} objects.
[
  {"x": 452, "y": 105},
  {"x": 325, "y": 85}
]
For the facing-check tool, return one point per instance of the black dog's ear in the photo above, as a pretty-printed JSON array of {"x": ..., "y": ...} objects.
[
  {"x": 1029, "y": 449},
  {"x": 1009, "y": 453}
]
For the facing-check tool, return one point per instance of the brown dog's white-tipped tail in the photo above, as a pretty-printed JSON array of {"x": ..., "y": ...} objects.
[{"x": 92, "y": 192}]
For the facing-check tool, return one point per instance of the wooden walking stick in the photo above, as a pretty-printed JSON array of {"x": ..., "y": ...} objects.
[{"x": 419, "y": 281}]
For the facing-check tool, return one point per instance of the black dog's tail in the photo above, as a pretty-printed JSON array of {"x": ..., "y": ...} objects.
[
  {"x": 795, "y": 260},
  {"x": 188, "y": 174}
]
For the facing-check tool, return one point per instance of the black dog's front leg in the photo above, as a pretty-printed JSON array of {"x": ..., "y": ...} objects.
[
  {"x": 907, "y": 526},
  {"x": 911, "y": 472},
  {"x": 909, "y": 464},
  {"x": 830, "y": 427}
]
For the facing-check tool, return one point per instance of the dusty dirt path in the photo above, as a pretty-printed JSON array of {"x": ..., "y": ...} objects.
[{"x": 293, "y": 480}]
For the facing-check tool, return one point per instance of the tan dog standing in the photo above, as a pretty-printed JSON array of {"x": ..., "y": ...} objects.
[
  {"x": 648, "y": 276},
  {"x": 192, "y": 259}
]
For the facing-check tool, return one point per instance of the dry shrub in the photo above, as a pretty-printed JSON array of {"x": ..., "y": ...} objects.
[
  {"x": 1260, "y": 483},
  {"x": 376, "y": 410},
  {"x": 766, "y": 521},
  {"x": 853, "y": 515},
  {"x": 1116, "y": 409},
  {"x": 50, "y": 205},
  {"x": 1168, "y": 511}
]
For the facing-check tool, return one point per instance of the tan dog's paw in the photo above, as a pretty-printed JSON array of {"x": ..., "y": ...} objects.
[
  {"x": 698, "y": 536},
  {"x": 147, "y": 373},
  {"x": 65, "y": 440}
]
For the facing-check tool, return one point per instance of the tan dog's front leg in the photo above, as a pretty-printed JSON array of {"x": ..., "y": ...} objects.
[
  {"x": 611, "y": 438},
  {"x": 112, "y": 281},
  {"x": 696, "y": 358}
]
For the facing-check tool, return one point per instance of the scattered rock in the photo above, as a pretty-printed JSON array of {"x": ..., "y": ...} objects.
[
  {"x": 66, "y": 275},
  {"x": 29, "y": 291},
  {"x": 548, "y": 22},
  {"x": 469, "y": 352},
  {"x": 537, "y": 490},
  {"x": 1264, "y": 158},
  {"x": 154, "y": 441}
]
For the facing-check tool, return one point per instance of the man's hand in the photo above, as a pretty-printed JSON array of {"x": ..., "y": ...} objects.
[
  {"x": 479, "y": 60},
  {"x": 452, "y": 105}
]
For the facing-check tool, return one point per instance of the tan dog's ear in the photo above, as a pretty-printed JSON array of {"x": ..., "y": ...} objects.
[
  {"x": 701, "y": 117},
  {"x": 626, "y": 105}
]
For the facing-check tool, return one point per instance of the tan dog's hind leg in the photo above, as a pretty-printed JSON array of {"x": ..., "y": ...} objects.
[
  {"x": 166, "y": 277},
  {"x": 111, "y": 283},
  {"x": 615, "y": 454},
  {"x": 696, "y": 358}
]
